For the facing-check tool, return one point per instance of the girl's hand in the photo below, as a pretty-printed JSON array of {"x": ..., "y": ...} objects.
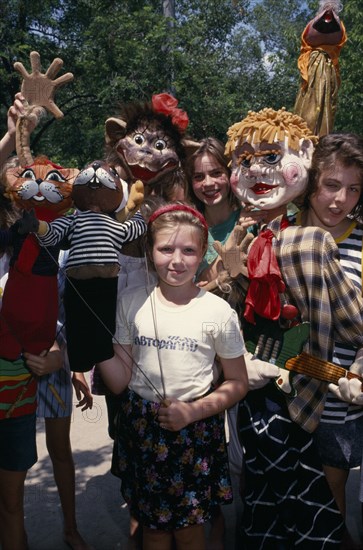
[
  {"x": 175, "y": 415},
  {"x": 202, "y": 284},
  {"x": 44, "y": 363},
  {"x": 83, "y": 394}
]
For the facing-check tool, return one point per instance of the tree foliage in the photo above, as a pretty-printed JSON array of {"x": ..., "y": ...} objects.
[
  {"x": 350, "y": 106},
  {"x": 220, "y": 58}
]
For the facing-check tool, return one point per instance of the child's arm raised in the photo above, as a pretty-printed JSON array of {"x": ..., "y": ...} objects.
[
  {"x": 179, "y": 414},
  {"x": 7, "y": 143},
  {"x": 116, "y": 372}
]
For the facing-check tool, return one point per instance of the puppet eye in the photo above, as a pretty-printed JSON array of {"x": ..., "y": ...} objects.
[
  {"x": 139, "y": 139},
  {"x": 272, "y": 158},
  {"x": 246, "y": 162},
  {"x": 55, "y": 176},
  {"x": 28, "y": 174},
  {"x": 160, "y": 145}
]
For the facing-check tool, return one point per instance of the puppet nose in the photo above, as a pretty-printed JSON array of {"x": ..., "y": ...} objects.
[{"x": 255, "y": 169}]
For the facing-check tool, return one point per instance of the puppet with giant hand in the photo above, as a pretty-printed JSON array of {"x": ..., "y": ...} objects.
[{"x": 30, "y": 304}]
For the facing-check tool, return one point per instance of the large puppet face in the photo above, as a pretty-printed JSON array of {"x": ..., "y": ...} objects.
[
  {"x": 270, "y": 154},
  {"x": 147, "y": 141},
  {"x": 43, "y": 186},
  {"x": 148, "y": 151},
  {"x": 269, "y": 175},
  {"x": 98, "y": 187}
]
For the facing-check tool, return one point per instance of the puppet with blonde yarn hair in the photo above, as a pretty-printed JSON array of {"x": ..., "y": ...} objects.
[
  {"x": 270, "y": 154},
  {"x": 287, "y": 498}
]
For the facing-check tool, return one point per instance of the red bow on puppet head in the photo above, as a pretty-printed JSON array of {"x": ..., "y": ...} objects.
[{"x": 167, "y": 105}]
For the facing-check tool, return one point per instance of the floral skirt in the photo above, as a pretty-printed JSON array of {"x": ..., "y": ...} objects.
[{"x": 169, "y": 479}]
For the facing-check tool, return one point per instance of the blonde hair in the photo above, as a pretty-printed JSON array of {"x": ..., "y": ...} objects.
[{"x": 269, "y": 125}]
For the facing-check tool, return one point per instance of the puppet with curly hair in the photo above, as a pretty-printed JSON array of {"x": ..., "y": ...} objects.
[
  {"x": 147, "y": 141},
  {"x": 287, "y": 497}
]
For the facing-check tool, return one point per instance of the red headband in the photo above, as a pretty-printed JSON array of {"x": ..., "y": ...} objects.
[{"x": 178, "y": 208}]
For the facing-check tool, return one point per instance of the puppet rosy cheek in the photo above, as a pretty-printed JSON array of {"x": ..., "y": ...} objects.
[{"x": 292, "y": 173}]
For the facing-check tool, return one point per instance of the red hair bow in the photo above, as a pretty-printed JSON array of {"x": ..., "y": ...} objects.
[{"x": 167, "y": 105}]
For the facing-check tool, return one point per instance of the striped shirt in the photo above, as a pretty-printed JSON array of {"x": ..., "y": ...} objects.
[
  {"x": 350, "y": 248},
  {"x": 96, "y": 238}
]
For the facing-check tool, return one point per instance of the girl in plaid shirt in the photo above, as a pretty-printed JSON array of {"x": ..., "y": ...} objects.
[{"x": 334, "y": 202}]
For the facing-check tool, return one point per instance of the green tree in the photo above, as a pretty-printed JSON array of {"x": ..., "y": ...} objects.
[
  {"x": 278, "y": 25},
  {"x": 350, "y": 100},
  {"x": 220, "y": 58},
  {"x": 125, "y": 51}
]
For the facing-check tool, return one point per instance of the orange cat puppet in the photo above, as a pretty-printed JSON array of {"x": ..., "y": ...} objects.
[{"x": 29, "y": 310}]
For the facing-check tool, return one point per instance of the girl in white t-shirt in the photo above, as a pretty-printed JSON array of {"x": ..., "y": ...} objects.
[{"x": 171, "y": 449}]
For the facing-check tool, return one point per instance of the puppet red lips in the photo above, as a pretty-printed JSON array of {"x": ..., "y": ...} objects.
[
  {"x": 141, "y": 173},
  {"x": 262, "y": 188},
  {"x": 145, "y": 175}
]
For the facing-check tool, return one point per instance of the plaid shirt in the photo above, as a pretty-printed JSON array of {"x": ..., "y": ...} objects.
[{"x": 315, "y": 282}]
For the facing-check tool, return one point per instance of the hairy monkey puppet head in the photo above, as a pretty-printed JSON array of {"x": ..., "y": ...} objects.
[
  {"x": 270, "y": 154},
  {"x": 148, "y": 139}
]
